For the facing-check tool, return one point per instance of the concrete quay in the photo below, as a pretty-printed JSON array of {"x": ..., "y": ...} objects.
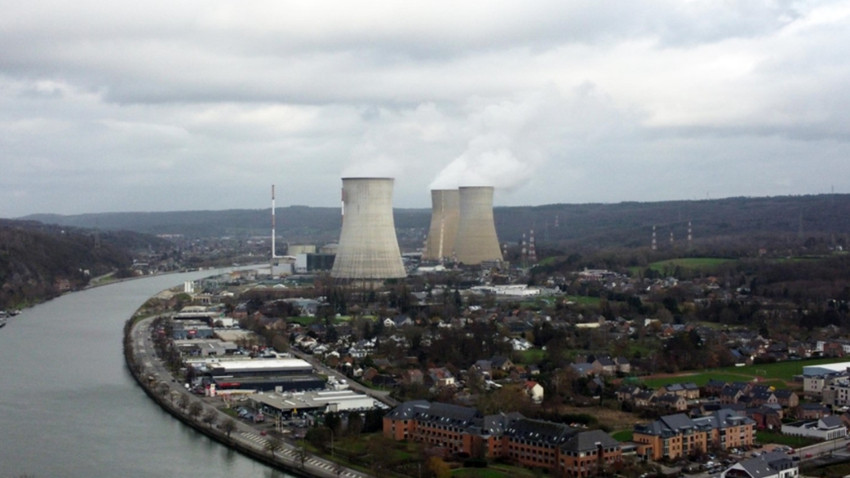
[{"x": 253, "y": 441}]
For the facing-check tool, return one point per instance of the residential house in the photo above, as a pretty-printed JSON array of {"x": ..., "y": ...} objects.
[
  {"x": 730, "y": 395},
  {"x": 534, "y": 390},
  {"x": 501, "y": 363},
  {"x": 766, "y": 418},
  {"x": 604, "y": 366},
  {"x": 786, "y": 398},
  {"x": 441, "y": 377},
  {"x": 626, "y": 393},
  {"x": 812, "y": 411},
  {"x": 669, "y": 403}
]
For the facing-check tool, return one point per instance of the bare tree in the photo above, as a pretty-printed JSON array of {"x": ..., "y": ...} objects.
[
  {"x": 195, "y": 409},
  {"x": 273, "y": 444},
  {"x": 162, "y": 388},
  {"x": 183, "y": 401},
  {"x": 301, "y": 453},
  {"x": 228, "y": 426},
  {"x": 210, "y": 417}
]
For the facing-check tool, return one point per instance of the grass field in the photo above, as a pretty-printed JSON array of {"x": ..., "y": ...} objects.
[
  {"x": 777, "y": 374},
  {"x": 583, "y": 300},
  {"x": 778, "y": 438},
  {"x": 705, "y": 264},
  {"x": 532, "y": 356}
]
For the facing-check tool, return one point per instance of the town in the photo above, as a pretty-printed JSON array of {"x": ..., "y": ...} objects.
[{"x": 476, "y": 371}]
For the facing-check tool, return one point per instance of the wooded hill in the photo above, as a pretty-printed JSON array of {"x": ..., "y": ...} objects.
[
  {"x": 39, "y": 261},
  {"x": 627, "y": 224}
]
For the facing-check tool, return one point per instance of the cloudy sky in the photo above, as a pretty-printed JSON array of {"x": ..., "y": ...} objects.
[{"x": 189, "y": 105}]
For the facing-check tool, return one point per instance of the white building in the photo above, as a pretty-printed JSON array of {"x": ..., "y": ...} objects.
[{"x": 827, "y": 428}]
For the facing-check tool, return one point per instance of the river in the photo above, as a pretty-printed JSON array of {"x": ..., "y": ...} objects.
[{"x": 69, "y": 407}]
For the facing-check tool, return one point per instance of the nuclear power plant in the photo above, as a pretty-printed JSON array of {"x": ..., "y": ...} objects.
[
  {"x": 476, "y": 239},
  {"x": 445, "y": 212},
  {"x": 368, "y": 247}
]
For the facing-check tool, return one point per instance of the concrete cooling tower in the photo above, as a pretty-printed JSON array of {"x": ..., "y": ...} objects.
[
  {"x": 445, "y": 209},
  {"x": 368, "y": 247},
  {"x": 476, "y": 240}
]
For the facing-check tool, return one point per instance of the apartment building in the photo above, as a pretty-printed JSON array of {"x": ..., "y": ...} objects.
[
  {"x": 676, "y": 436},
  {"x": 533, "y": 443}
]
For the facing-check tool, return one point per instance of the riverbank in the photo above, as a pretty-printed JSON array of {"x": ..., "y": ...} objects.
[{"x": 267, "y": 447}]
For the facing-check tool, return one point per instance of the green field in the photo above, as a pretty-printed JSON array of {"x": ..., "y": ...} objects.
[
  {"x": 583, "y": 300},
  {"x": 532, "y": 356},
  {"x": 705, "y": 264},
  {"x": 765, "y": 437},
  {"x": 776, "y": 374}
]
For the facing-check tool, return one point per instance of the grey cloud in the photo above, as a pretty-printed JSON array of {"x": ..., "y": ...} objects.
[{"x": 570, "y": 101}]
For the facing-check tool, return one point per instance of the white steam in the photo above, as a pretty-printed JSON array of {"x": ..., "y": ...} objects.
[{"x": 508, "y": 145}]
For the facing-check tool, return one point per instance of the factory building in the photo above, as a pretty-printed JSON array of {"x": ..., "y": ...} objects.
[
  {"x": 262, "y": 375},
  {"x": 476, "y": 240},
  {"x": 287, "y": 403},
  {"x": 445, "y": 212},
  {"x": 368, "y": 247}
]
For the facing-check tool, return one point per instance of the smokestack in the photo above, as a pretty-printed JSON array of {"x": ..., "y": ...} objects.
[
  {"x": 274, "y": 251},
  {"x": 368, "y": 247},
  {"x": 445, "y": 209},
  {"x": 476, "y": 240}
]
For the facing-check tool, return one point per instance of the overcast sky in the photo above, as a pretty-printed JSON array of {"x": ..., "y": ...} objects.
[{"x": 190, "y": 105}]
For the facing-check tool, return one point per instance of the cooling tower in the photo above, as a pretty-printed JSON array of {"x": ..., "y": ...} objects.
[
  {"x": 445, "y": 209},
  {"x": 476, "y": 240},
  {"x": 368, "y": 247}
]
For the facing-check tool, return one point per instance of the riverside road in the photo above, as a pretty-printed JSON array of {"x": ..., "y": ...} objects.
[{"x": 289, "y": 456}]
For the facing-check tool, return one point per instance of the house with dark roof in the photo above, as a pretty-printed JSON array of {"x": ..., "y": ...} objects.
[
  {"x": 730, "y": 394},
  {"x": 786, "y": 398},
  {"x": 766, "y": 417},
  {"x": 768, "y": 465},
  {"x": 669, "y": 402}
]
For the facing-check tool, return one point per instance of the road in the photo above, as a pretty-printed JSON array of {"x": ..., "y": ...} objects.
[
  {"x": 248, "y": 435},
  {"x": 838, "y": 447}
]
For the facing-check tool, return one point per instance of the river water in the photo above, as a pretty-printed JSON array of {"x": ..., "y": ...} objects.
[{"x": 69, "y": 407}]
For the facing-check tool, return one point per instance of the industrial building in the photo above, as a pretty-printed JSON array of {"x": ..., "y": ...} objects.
[
  {"x": 312, "y": 262},
  {"x": 476, "y": 241},
  {"x": 445, "y": 212},
  {"x": 286, "y": 404},
  {"x": 368, "y": 247},
  {"x": 262, "y": 374}
]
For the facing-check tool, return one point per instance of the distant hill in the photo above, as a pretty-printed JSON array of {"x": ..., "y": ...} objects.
[
  {"x": 39, "y": 261},
  {"x": 627, "y": 224}
]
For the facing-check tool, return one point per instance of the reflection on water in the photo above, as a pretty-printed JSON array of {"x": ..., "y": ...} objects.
[{"x": 68, "y": 406}]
